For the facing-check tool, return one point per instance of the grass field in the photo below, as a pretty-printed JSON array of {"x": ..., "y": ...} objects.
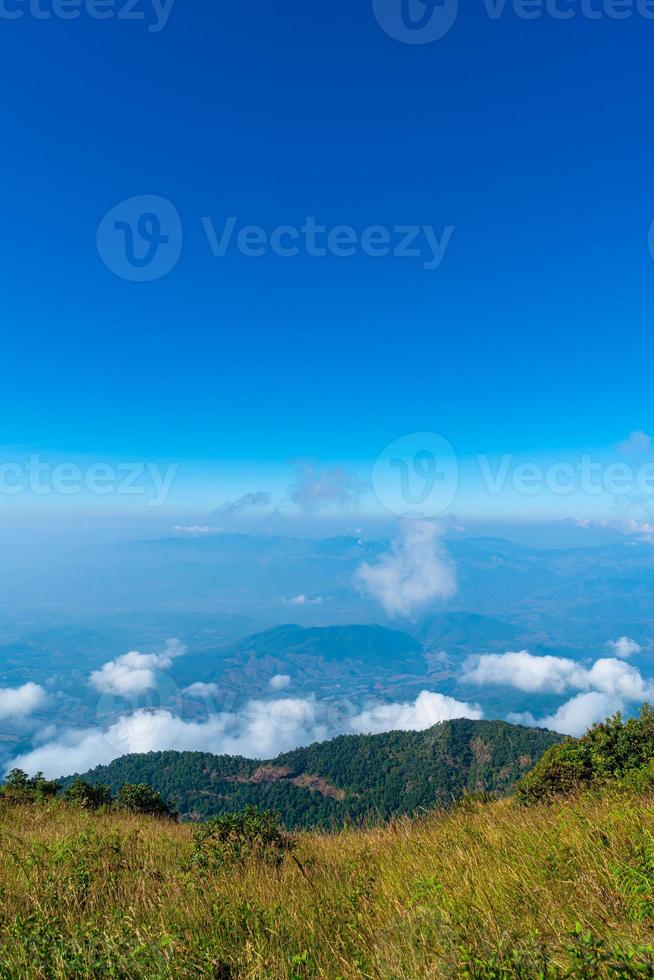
[{"x": 489, "y": 890}]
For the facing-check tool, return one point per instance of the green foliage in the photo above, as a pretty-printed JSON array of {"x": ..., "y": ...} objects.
[
  {"x": 351, "y": 779},
  {"x": 88, "y": 795},
  {"x": 21, "y": 788},
  {"x": 588, "y": 957},
  {"x": 611, "y": 750},
  {"x": 236, "y": 837},
  {"x": 141, "y": 798}
]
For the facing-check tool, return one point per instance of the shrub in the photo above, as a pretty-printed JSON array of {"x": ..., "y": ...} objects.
[
  {"x": 87, "y": 795},
  {"x": 235, "y": 837},
  {"x": 21, "y": 788},
  {"x": 612, "y": 749},
  {"x": 141, "y": 798}
]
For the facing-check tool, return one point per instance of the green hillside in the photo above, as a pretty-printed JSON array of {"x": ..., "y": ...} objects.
[{"x": 350, "y": 778}]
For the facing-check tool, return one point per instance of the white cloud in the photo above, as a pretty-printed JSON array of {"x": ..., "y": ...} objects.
[
  {"x": 413, "y": 573},
  {"x": 526, "y": 672},
  {"x": 260, "y": 730},
  {"x": 608, "y": 686},
  {"x": 17, "y": 702},
  {"x": 201, "y": 690},
  {"x": 135, "y": 672},
  {"x": 575, "y": 716},
  {"x": 624, "y": 647},
  {"x": 428, "y": 709},
  {"x": 279, "y": 682},
  {"x": 302, "y": 600},
  {"x": 616, "y": 678}
]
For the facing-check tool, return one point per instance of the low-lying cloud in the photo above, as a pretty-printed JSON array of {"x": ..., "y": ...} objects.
[
  {"x": 415, "y": 571},
  {"x": 607, "y": 686},
  {"x": 261, "y": 729},
  {"x": 19, "y": 702},
  {"x": 557, "y": 675},
  {"x": 427, "y": 709},
  {"x": 134, "y": 672},
  {"x": 575, "y": 716}
]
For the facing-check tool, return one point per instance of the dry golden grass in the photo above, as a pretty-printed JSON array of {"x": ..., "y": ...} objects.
[{"x": 489, "y": 890}]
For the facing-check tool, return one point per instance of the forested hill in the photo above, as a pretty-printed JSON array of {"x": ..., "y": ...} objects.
[{"x": 352, "y": 777}]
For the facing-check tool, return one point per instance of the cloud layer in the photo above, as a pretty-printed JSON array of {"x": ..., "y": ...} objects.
[
  {"x": 609, "y": 685},
  {"x": 261, "y": 729}
]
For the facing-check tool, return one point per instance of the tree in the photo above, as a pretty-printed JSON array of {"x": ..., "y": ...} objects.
[
  {"x": 90, "y": 796},
  {"x": 16, "y": 780},
  {"x": 20, "y": 787},
  {"x": 141, "y": 798}
]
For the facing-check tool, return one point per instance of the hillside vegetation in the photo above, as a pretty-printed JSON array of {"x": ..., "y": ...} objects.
[
  {"x": 350, "y": 778},
  {"x": 555, "y": 882},
  {"x": 488, "y": 890}
]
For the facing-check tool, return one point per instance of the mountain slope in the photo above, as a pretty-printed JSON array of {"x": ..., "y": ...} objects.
[
  {"x": 317, "y": 658},
  {"x": 352, "y": 777}
]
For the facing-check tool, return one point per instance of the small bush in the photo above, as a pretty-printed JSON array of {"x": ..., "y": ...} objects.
[
  {"x": 87, "y": 795},
  {"x": 611, "y": 750},
  {"x": 140, "y": 798},
  {"x": 235, "y": 837}
]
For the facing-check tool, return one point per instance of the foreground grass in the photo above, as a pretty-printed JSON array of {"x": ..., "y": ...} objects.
[{"x": 488, "y": 891}]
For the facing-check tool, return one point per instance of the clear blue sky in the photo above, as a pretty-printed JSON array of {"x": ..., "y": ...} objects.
[{"x": 534, "y": 139}]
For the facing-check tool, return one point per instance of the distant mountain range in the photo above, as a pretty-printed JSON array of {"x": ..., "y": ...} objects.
[{"x": 350, "y": 778}]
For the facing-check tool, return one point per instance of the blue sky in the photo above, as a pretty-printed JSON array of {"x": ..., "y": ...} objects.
[{"x": 531, "y": 138}]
